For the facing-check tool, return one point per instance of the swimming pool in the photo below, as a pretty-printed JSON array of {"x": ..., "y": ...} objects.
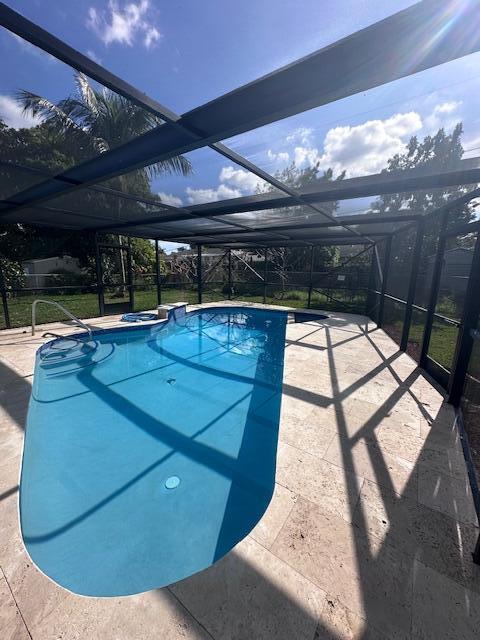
[{"x": 150, "y": 451}]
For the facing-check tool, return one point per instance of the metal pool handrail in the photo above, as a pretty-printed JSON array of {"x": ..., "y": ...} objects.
[{"x": 65, "y": 311}]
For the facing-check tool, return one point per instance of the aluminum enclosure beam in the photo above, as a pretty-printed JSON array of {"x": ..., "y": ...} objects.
[
  {"x": 317, "y": 242},
  {"x": 204, "y": 239},
  {"x": 422, "y": 36},
  {"x": 54, "y": 46},
  {"x": 110, "y": 192},
  {"x": 468, "y": 172},
  {"x": 47, "y": 42},
  {"x": 339, "y": 222}
]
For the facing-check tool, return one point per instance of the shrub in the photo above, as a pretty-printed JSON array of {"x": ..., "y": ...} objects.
[
  {"x": 65, "y": 278},
  {"x": 13, "y": 273},
  {"x": 244, "y": 289}
]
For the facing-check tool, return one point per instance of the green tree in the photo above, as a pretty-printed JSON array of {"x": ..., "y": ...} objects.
[
  {"x": 83, "y": 125},
  {"x": 298, "y": 258},
  {"x": 92, "y": 121},
  {"x": 440, "y": 152},
  {"x": 11, "y": 273}
]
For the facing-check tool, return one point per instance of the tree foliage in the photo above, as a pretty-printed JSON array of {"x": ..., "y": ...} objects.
[
  {"x": 83, "y": 125},
  {"x": 92, "y": 121},
  {"x": 440, "y": 152},
  {"x": 11, "y": 273},
  {"x": 298, "y": 258}
]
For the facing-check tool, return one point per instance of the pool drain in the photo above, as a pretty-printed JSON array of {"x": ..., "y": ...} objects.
[{"x": 172, "y": 482}]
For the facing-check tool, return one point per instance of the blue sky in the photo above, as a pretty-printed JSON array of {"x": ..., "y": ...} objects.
[{"x": 186, "y": 52}]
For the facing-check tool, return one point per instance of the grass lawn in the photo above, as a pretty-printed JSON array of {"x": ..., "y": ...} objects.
[
  {"x": 442, "y": 342},
  {"x": 85, "y": 305},
  {"x": 299, "y": 298},
  {"x": 443, "y": 339}
]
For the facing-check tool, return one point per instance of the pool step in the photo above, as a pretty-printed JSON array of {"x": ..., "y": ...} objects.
[
  {"x": 164, "y": 309},
  {"x": 63, "y": 351}
]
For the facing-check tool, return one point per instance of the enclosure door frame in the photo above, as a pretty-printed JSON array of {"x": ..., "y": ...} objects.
[
  {"x": 112, "y": 308},
  {"x": 452, "y": 381}
]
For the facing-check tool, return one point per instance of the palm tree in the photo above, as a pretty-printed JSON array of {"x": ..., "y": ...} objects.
[{"x": 93, "y": 121}]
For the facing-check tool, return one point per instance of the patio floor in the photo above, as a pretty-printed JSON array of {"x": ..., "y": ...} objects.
[{"x": 369, "y": 533}]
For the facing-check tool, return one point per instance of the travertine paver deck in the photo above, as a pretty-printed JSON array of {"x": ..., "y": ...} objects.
[{"x": 369, "y": 533}]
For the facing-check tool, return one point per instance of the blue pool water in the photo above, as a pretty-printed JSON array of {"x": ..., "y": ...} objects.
[{"x": 150, "y": 452}]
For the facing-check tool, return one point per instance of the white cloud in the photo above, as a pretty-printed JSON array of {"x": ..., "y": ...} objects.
[
  {"x": 443, "y": 116},
  {"x": 93, "y": 56},
  {"x": 282, "y": 157},
  {"x": 365, "y": 149},
  {"x": 302, "y": 135},
  {"x": 222, "y": 192},
  {"x": 362, "y": 149},
  {"x": 152, "y": 36},
  {"x": 233, "y": 184},
  {"x": 12, "y": 114},
  {"x": 169, "y": 198},
  {"x": 359, "y": 150},
  {"x": 305, "y": 156},
  {"x": 240, "y": 179},
  {"x": 123, "y": 24},
  {"x": 447, "y": 107}
]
